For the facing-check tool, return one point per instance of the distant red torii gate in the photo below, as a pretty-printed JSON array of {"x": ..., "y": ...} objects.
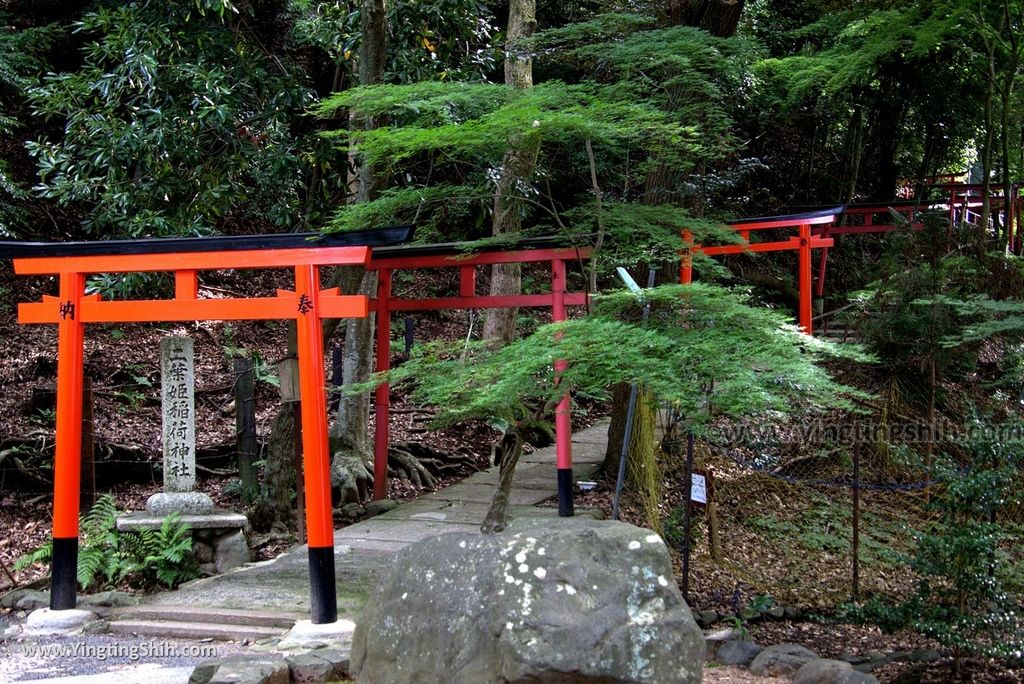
[
  {"x": 307, "y": 305},
  {"x": 802, "y": 243},
  {"x": 817, "y": 227}
]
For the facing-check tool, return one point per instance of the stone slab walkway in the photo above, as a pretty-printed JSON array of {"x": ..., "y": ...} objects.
[{"x": 361, "y": 550}]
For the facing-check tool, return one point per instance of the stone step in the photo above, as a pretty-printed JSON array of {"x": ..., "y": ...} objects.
[
  {"x": 220, "y": 616},
  {"x": 840, "y": 335},
  {"x": 194, "y": 630}
]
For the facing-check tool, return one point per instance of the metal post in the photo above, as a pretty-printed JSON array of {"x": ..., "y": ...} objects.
[
  {"x": 409, "y": 335},
  {"x": 245, "y": 427},
  {"x": 620, "y": 480},
  {"x": 687, "y": 505},
  {"x": 337, "y": 377},
  {"x": 856, "y": 525}
]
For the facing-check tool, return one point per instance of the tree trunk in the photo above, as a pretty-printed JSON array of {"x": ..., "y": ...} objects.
[
  {"x": 1006, "y": 95},
  {"x": 717, "y": 17},
  {"x": 856, "y": 152},
  {"x": 274, "y": 507},
  {"x": 507, "y": 453},
  {"x": 349, "y": 434},
  {"x": 516, "y": 168},
  {"x": 890, "y": 111},
  {"x": 372, "y": 59},
  {"x": 924, "y": 170},
  {"x": 642, "y": 438},
  {"x": 987, "y": 152}
]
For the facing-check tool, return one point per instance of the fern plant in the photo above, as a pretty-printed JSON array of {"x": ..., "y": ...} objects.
[
  {"x": 104, "y": 554},
  {"x": 169, "y": 552}
]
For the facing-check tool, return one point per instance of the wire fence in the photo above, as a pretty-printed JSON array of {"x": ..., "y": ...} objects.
[{"x": 822, "y": 523}]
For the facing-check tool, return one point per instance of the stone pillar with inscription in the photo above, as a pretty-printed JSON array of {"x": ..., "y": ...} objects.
[{"x": 177, "y": 379}]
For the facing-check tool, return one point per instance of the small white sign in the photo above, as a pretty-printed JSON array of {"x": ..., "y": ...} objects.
[{"x": 698, "y": 489}]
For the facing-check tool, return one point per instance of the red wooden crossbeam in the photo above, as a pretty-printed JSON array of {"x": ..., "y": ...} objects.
[
  {"x": 92, "y": 309},
  {"x": 789, "y": 245}
]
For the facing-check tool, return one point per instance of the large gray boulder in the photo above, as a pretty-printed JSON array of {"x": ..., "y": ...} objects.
[{"x": 565, "y": 600}]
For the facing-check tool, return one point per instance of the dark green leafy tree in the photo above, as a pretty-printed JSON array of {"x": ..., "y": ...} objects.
[
  {"x": 176, "y": 118},
  {"x": 20, "y": 60},
  {"x": 892, "y": 87},
  {"x": 442, "y": 39},
  {"x": 444, "y": 143}
]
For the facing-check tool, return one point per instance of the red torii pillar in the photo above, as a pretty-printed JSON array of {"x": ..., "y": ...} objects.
[{"x": 307, "y": 305}]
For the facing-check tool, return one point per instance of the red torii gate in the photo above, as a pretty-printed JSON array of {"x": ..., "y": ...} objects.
[
  {"x": 802, "y": 243},
  {"x": 387, "y": 260},
  {"x": 307, "y": 305},
  {"x": 817, "y": 226}
]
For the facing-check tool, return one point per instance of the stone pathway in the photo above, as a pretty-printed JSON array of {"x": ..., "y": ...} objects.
[{"x": 282, "y": 585}]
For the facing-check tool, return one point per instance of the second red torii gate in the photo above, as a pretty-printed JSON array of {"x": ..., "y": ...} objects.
[
  {"x": 387, "y": 260},
  {"x": 802, "y": 243}
]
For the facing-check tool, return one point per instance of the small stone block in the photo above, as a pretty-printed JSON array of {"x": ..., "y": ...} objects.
[
  {"x": 305, "y": 634},
  {"x": 375, "y": 508},
  {"x": 231, "y": 551},
  {"x": 46, "y": 621},
  {"x": 148, "y": 521},
  {"x": 186, "y": 503},
  {"x": 737, "y": 653},
  {"x": 310, "y": 667},
  {"x": 31, "y": 599}
]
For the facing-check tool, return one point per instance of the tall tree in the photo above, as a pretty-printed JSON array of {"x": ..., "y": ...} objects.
[
  {"x": 515, "y": 172},
  {"x": 350, "y": 445},
  {"x": 661, "y": 186}
]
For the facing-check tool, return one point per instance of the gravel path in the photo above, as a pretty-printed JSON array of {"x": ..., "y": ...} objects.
[
  {"x": 737, "y": 675},
  {"x": 142, "y": 659}
]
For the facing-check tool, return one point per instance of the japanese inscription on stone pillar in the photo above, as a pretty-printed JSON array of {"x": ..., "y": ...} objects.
[{"x": 177, "y": 374}]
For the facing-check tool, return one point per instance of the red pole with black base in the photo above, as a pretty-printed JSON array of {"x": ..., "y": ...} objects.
[
  {"x": 563, "y": 417},
  {"x": 316, "y": 465},
  {"x": 382, "y": 396},
  {"x": 68, "y": 450}
]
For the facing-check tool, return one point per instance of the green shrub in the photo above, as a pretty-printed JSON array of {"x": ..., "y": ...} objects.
[{"x": 961, "y": 561}]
